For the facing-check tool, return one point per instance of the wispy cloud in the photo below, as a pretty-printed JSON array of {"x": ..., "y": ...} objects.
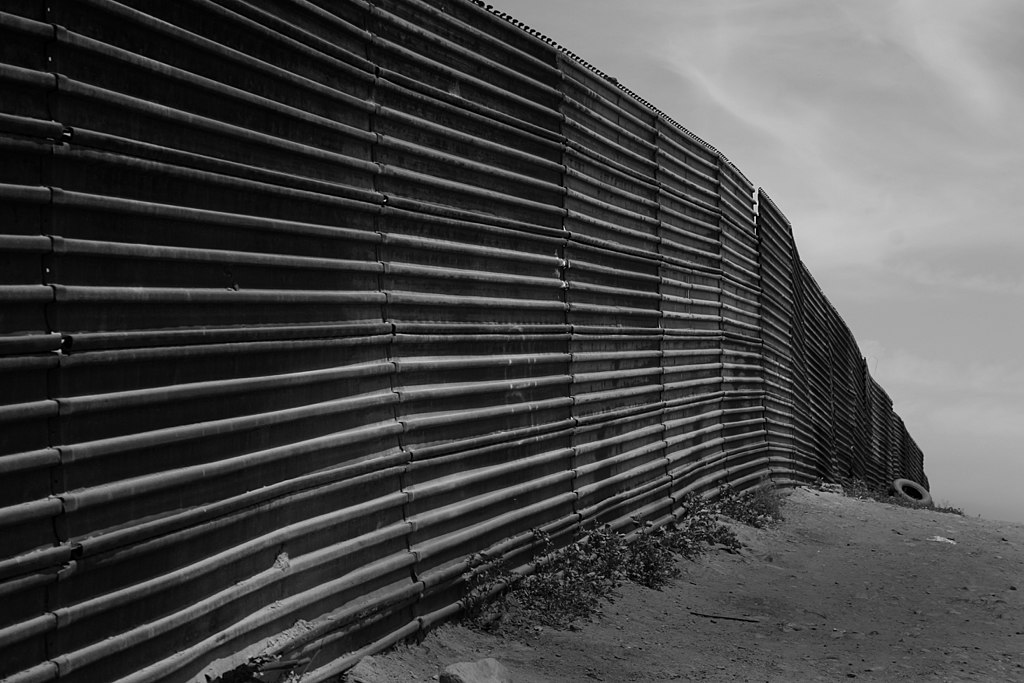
[
  {"x": 949, "y": 40},
  {"x": 869, "y": 122},
  {"x": 955, "y": 279},
  {"x": 890, "y": 133},
  {"x": 979, "y": 417},
  {"x": 980, "y": 277},
  {"x": 909, "y": 369}
]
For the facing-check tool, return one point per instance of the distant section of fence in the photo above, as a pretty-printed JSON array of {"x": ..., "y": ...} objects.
[{"x": 304, "y": 302}]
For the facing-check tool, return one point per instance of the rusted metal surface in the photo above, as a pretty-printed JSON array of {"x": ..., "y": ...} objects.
[{"x": 302, "y": 304}]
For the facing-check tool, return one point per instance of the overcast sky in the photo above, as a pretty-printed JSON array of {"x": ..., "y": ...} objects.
[{"x": 891, "y": 134}]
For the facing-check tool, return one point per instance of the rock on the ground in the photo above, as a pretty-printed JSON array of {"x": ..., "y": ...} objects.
[{"x": 483, "y": 671}]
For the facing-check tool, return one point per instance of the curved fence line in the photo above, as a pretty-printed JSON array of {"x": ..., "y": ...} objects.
[{"x": 303, "y": 303}]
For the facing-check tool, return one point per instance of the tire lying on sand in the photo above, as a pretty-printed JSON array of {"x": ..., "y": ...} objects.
[{"x": 912, "y": 491}]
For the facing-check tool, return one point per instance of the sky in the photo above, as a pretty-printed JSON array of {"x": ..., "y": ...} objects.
[{"x": 891, "y": 135}]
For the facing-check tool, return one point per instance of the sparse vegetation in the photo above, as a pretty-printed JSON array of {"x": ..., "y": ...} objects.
[
  {"x": 858, "y": 488},
  {"x": 566, "y": 584},
  {"x": 570, "y": 583},
  {"x": 758, "y": 507}
]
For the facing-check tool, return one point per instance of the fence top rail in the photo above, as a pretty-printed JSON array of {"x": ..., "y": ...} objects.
[{"x": 611, "y": 79}]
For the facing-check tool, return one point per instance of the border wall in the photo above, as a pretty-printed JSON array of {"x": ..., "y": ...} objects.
[{"x": 304, "y": 302}]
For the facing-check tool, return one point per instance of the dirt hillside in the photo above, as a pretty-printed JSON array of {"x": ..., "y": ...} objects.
[{"x": 842, "y": 589}]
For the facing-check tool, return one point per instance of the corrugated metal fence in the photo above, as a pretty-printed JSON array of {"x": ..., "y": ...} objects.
[{"x": 305, "y": 302}]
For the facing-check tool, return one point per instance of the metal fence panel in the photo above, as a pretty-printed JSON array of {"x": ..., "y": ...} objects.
[{"x": 304, "y": 304}]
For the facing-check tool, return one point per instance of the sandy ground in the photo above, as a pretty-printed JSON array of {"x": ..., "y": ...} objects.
[{"x": 842, "y": 589}]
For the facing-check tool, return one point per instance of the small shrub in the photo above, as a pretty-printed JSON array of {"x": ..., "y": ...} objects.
[
  {"x": 606, "y": 553},
  {"x": 651, "y": 560},
  {"x": 553, "y": 599},
  {"x": 697, "y": 527},
  {"x": 948, "y": 509},
  {"x": 570, "y": 583},
  {"x": 858, "y": 488},
  {"x": 486, "y": 574},
  {"x": 566, "y": 584},
  {"x": 758, "y": 507}
]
